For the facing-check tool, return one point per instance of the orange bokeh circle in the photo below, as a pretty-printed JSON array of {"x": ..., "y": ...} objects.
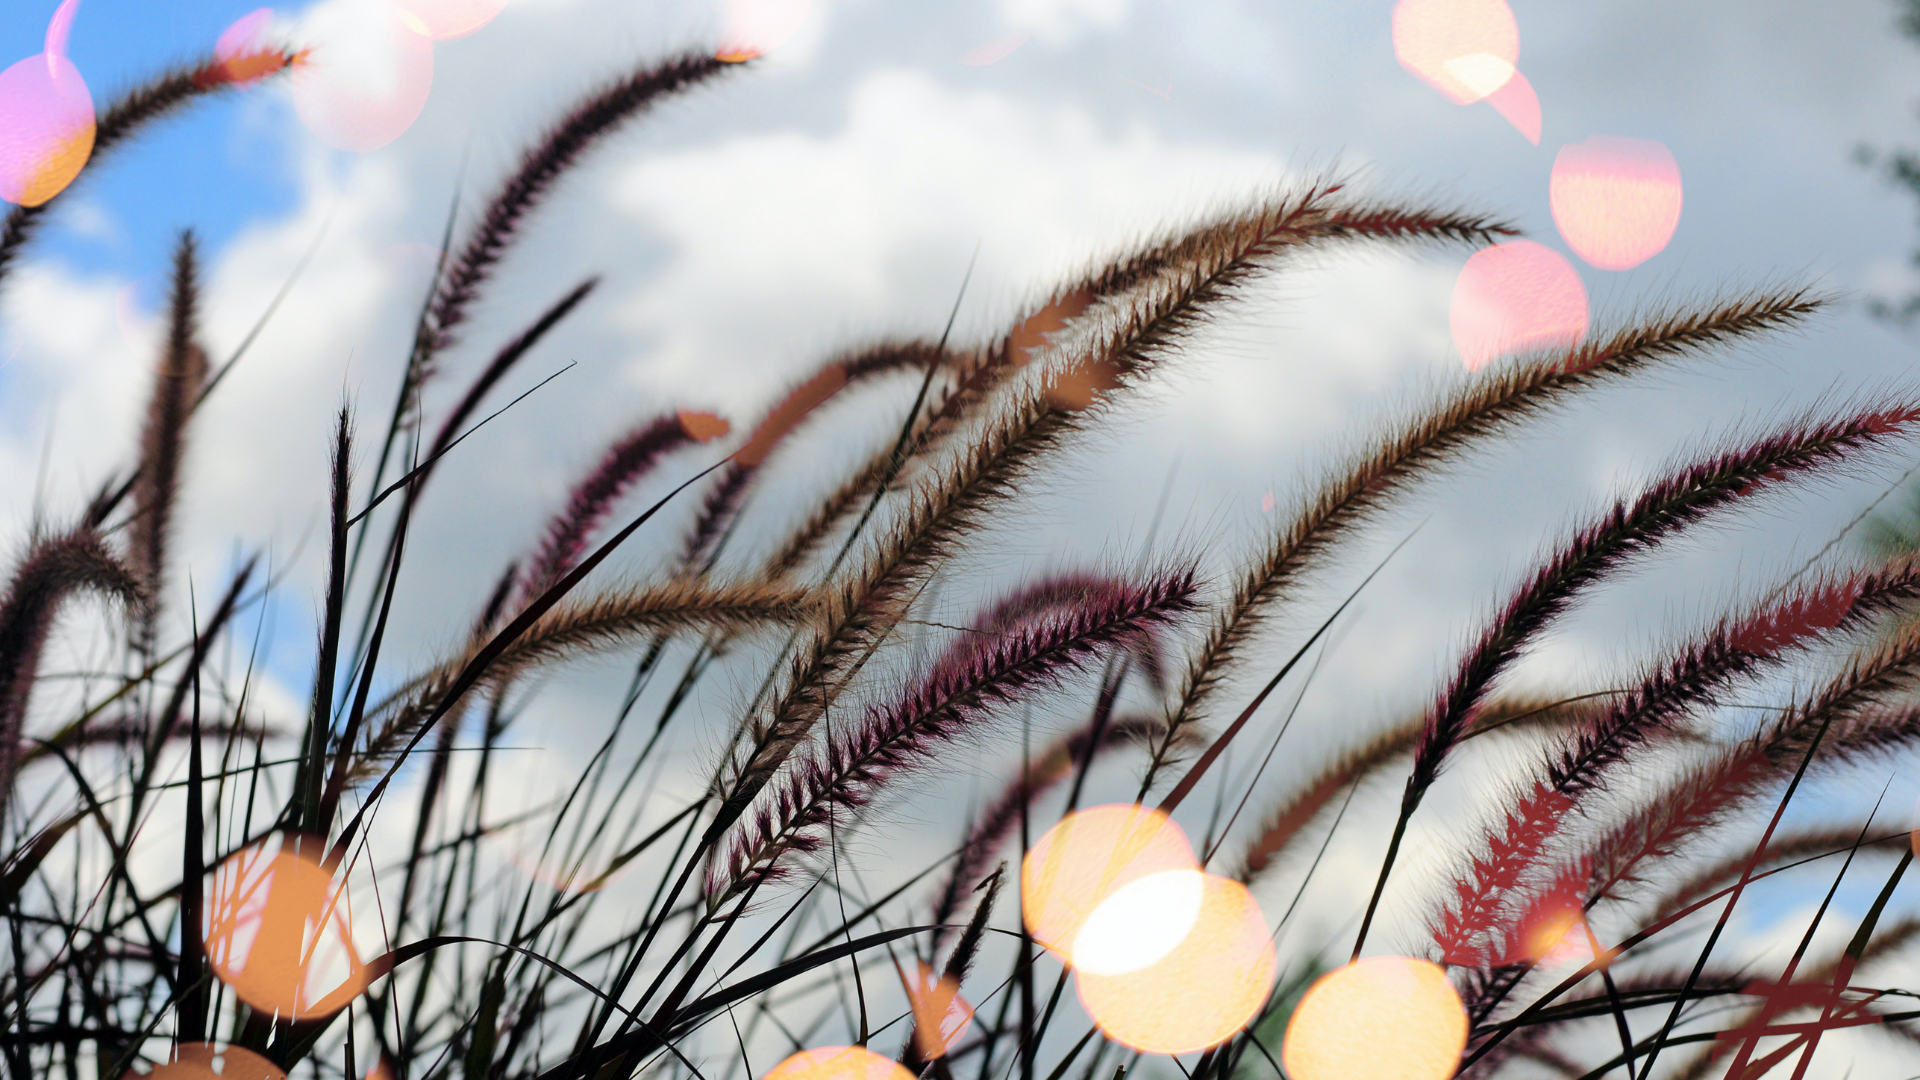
[
  {"x": 1202, "y": 991},
  {"x": 279, "y": 932},
  {"x": 1466, "y": 49},
  {"x": 941, "y": 1016},
  {"x": 1616, "y": 200},
  {"x": 1087, "y": 857},
  {"x": 838, "y": 1063},
  {"x": 196, "y": 1061},
  {"x": 46, "y": 128},
  {"x": 1513, "y": 297},
  {"x": 1383, "y": 1018}
]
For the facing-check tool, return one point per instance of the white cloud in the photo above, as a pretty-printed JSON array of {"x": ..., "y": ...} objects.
[{"x": 788, "y": 236}]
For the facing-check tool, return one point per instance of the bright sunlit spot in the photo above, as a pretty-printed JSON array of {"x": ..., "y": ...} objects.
[
  {"x": 203, "y": 1061},
  {"x": 838, "y": 1063},
  {"x": 1089, "y": 856},
  {"x": 46, "y": 119},
  {"x": 278, "y": 933},
  {"x": 1202, "y": 990},
  {"x": 1466, "y": 49},
  {"x": 1516, "y": 296},
  {"x": 1381, "y": 1018},
  {"x": 1616, "y": 200},
  {"x": 757, "y": 27},
  {"x": 364, "y": 78},
  {"x": 1140, "y": 923}
]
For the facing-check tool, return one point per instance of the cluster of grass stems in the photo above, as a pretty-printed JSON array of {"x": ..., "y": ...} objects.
[{"x": 742, "y": 928}]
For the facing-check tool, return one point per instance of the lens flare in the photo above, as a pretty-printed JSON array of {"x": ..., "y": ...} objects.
[
  {"x": 1089, "y": 856},
  {"x": 1140, "y": 923},
  {"x": 1616, "y": 200},
  {"x": 940, "y": 1015},
  {"x": 1382, "y": 1018},
  {"x": 994, "y": 51},
  {"x": 838, "y": 1063},
  {"x": 366, "y": 78},
  {"x": 1200, "y": 992},
  {"x": 1520, "y": 105},
  {"x": 279, "y": 933},
  {"x": 202, "y": 1061},
  {"x": 1515, "y": 296},
  {"x": 46, "y": 119},
  {"x": 757, "y": 27},
  {"x": 444, "y": 20},
  {"x": 1466, "y": 49}
]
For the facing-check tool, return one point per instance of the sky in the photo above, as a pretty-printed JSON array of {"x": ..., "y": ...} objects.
[{"x": 840, "y": 189}]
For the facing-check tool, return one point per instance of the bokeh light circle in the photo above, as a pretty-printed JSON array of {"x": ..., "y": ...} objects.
[
  {"x": 1139, "y": 923},
  {"x": 1517, "y": 102},
  {"x": 279, "y": 933},
  {"x": 757, "y": 27},
  {"x": 203, "y": 1061},
  {"x": 1516, "y": 296},
  {"x": 1209, "y": 986},
  {"x": 243, "y": 51},
  {"x": 46, "y": 128},
  {"x": 941, "y": 1016},
  {"x": 1616, "y": 200},
  {"x": 1087, "y": 857},
  {"x": 444, "y": 20},
  {"x": 366, "y": 77},
  {"x": 1382, "y": 1018},
  {"x": 1466, "y": 49},
  {"x": 838, "y": 1063}
]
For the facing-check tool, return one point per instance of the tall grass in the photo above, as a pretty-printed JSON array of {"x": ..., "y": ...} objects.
[{"x": 711, "y": 936}]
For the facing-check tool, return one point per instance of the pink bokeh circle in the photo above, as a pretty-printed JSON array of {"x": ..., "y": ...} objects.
[
  {"x": 1616, "y": 200},
  {"x": 1516, "y": 296},
  {"x": 364, "y": 80},
  {"x": 443, "y": 20},
  {"x": 1466, "y": 49},
  {"x": 46, "y": 120}
]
